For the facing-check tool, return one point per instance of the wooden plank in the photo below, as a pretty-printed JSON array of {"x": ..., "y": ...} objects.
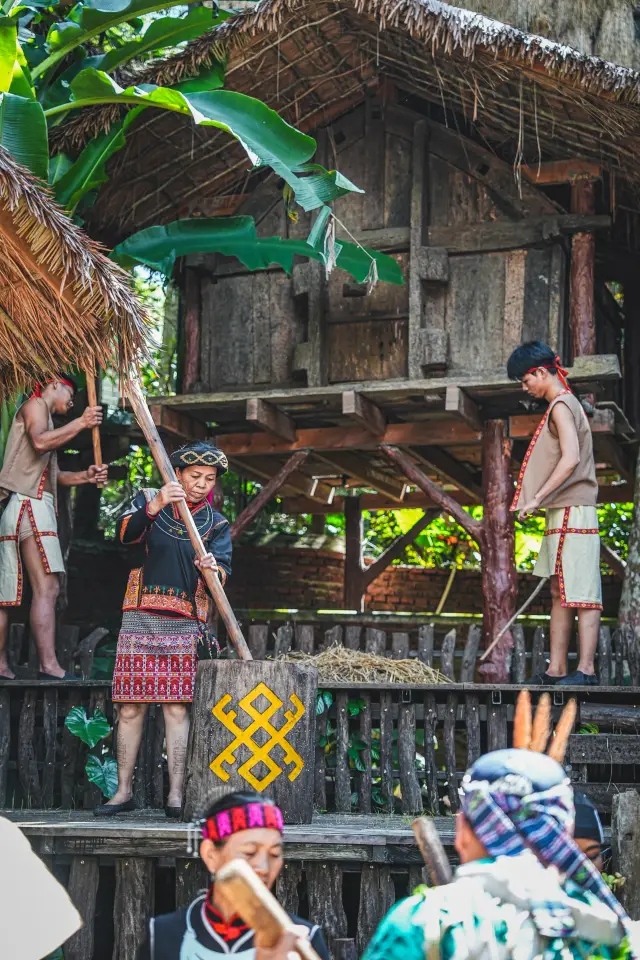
[
  {"x": 284, "y": 640},
  {"x": 191, "y": 314},
  {"x": 450, "y": 762},
  {"x": 450, "y": 470},
  {"x": 192, "y": 878},
  {"x": 287, "y": 886},
  {"x": 418, "y": 207},
  {"x": 263, "y": 469},
  {"x": 386, "y": 750},
  {"x": 342, "y": 775},
  {"x": 507, "y": 235},
  {"x": 519, "y": 658},
  {"x": 353, "y": 569},
  {"x": 50, "y": 729},
  {"x": 374, "y": 167},
  {"x": 69, "y": 755},
  {"x": 470, "y": 654},
  {"x": 426, "y": 635},
  {"x": 538, "y": 648},
  {"x": 604, "y": 656},
  {"x": 324, "y": 891},
  {"x": 269, "y": 418},
  {"x": 27, "y": 766},
  {"x": 459, "y": 404},
  {"x": 376, "y": 641},
  {"x": 332, "y": 637},
  {"x": 364, "y": 412},
  {"x": 621, "y": 719},
  {"x": 178, "y": 423},
  {"x": 386, "y": 238},
  {"x": 525, "y": 425},
  {"x": 305, "y": 638},
  {"x": 257, "y": 640},
  {"x": 409, "y": 784},
  {"x": 83, "y": 890},
  {"x": 430, "y": 721},
  {"x": 625, "y": 835},
  {"x": 376, "y": 897},
  {"x": 514, "y": 291},
  {"x": 447, "y": 654},
  {"x": 353, "y": 634},
  {"x": 399, "y": 646},
  {"x": 497, "y": 727},
  {"x": 562, "y": 171},
  {"x": 320, "y": 774},
  {"x": 345, "y": 949},
  {"x": 364, "y": 788},
  {"x": 133, "y": 905},
  {"x": 5, "y": 742},
  {"x": 472, "y": 720},
  {"x": 606, "y": 748}
]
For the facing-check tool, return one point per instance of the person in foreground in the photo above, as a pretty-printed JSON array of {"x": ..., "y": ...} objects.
[
  {"x": 238, "y": 824},
  {"x": 29, "y": 482},
  {"x": 523, "y": 888},
  {"x": 165, "y": 613},
  {"x": 558, "y": 475},
  {"x": 36, "y": 914}
]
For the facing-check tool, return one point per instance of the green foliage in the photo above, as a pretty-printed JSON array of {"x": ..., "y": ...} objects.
[
  {"x": 589, "y": 728},
  {"x": 104, "y": 773},
  {"x": 23, "y": 133},
  {"x": 614, "y": 881},
  {"x": 159, "y": 246},
  {"x": 7, "y": 413},
  {"x": 91, "y": 730}
]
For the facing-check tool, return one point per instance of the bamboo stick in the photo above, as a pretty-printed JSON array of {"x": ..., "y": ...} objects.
[
  {"x": 258, "y": 907},
  {"x": 92, "y": 397},
  {"x": 148, "y": 427},
  {"x": 432, "y": 851}
]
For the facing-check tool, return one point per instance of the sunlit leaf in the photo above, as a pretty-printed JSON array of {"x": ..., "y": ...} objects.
[{"x": 23, "y": 132}]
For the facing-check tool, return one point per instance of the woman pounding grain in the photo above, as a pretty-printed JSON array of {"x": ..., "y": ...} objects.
[{"x": 165, "y": 615}]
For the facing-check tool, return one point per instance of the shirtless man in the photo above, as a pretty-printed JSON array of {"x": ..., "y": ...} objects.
[{"x": 28, "y": 527}]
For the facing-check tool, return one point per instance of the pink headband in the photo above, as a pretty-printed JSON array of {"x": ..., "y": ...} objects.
[{"x": 222, "y": 825}]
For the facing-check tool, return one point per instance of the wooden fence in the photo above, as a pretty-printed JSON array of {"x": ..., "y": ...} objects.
[{"x": 455, "y": 651}]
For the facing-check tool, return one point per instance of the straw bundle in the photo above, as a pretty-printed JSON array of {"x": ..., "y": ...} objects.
[
  {"x": 62, "y": 302},
  {"x": 337, "y": 664}
]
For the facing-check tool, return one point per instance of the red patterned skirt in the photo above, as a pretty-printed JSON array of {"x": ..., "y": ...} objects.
[{"x": 155, "y": 659}]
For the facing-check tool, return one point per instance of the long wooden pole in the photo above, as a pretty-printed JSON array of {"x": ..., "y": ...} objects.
[
  {"x": 92, "y": 397},
  {"x": 148, "y": 427}
]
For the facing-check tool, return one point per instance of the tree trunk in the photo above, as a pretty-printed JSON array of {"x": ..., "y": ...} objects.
[
  {"x": 499, "y": 577},
  {"x": 629, "y": 612}
]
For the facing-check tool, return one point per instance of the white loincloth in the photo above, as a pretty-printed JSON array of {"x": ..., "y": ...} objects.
[
  {"x": 570, "y": 550},
  {"x": 25, "y": 517}
]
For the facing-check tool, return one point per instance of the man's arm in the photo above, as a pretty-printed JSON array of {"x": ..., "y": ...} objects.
[
  {"x": 43, "y": 440},
  {"x": 76, "y": 478},
  {"x": 565, "y": 427}
]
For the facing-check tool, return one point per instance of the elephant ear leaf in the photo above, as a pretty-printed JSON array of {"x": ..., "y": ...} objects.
[
  {"x": 23, "y": 133},
  {"x": 104, "y": 773},
  {"x": 91, "y": 730}
]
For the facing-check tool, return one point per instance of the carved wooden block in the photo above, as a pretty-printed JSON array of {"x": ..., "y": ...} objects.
[{"x": 253, "y": 727}]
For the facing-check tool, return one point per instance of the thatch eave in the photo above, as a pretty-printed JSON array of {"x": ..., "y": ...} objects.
[{"x": 62, "y": 301}]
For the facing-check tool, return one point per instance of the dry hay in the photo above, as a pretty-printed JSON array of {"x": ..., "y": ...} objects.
[
  {"x": 338, "y": 664},
  {"x": 62, "y": 302}
]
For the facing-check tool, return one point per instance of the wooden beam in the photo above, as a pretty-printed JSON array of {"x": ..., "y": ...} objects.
[
  {"x": 416, "y": 500},
  {"x": 262, "y": 469},
  {"x": 523, "y": 426},
  {"x": 608, "y": 449},
  {"x": 362, "y": 470},
  {"x": 449, "y": 469},
  {"x": 178, "y": 424},
  {"x": 397, "y": 547},
  {"x": 562, "y": 171},
  {"x": 613, "y": 560},
  {"x": 422, "y": 481},
  {"x": 363, "y": 411},
  {"x": 353, "y": 577},
  {"x": 458, "y": 403},
  {"x": 446, "y": 432},
  {"x": 251, "y": 511},
  {"x": 269, "y": 418},
  {"x": 510, "y": 235}
]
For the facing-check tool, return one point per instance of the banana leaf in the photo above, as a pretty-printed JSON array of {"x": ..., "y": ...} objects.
[
  {"x": 161, "y": 34},
  {"x": 23, "y": 133},
  {"x": 158, "y": 247}
]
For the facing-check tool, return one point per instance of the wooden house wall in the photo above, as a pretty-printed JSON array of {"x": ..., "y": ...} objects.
[{"x": 256, "y": 327}]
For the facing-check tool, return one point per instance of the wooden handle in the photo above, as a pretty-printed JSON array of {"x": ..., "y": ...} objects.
[
  {"x": 432, "y": 851},
  {"x": 95, "y": 431},
  {"x": 257, "y": 906},
  {"x": 168, "y": 474}
]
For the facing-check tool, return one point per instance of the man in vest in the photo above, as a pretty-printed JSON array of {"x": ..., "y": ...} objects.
[
  {"x": 558, "y": 475},
  {"x": 28, "y": 527}
]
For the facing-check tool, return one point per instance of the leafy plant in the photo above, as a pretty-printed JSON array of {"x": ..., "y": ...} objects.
[
  {"x": 614, "y": 881},
  {"x": 589, "y": 728},
  {"x": 91, "y": 730}
]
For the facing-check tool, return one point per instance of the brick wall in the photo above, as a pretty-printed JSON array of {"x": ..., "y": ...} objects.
[{"x": 269, "y": 578}]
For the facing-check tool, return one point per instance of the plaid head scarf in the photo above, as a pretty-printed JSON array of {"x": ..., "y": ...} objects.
[{"x": 509, "y": 817}]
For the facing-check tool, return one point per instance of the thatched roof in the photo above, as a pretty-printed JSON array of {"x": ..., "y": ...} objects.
[
  {"x": 62, "y": 302},
  {"x": 312, "y": 60}
]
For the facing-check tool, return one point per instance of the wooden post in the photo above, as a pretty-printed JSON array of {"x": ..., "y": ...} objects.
[
  {"x": 253, "y": 725},
  {"x": 92, "y": 398},
  {"x": 133, "y": 905},
  {"x": 583, "y": 252},
  {"x": 168, "y": 474},
  {"x": 499, "y": 576},
  {"x": 191, "y": 313},
  {"x": 625, "y": 840},
  {"x": 353, "y": 580}
]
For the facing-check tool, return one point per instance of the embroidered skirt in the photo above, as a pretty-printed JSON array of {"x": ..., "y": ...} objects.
[
  {"x": 155, "y": 659},
  {"x": 26, "y": 517},
  {"x": 571, "y": 551}
]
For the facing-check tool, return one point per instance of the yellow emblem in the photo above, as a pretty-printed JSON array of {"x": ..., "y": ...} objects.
[{"x": 259, "y": 721}]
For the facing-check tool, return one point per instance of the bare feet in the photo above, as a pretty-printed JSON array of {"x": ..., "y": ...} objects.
[{"x": 6, "y": 673}]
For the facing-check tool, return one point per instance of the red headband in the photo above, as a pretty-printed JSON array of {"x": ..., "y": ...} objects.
[
  {"x": 561, "y": 371},
  {"x": 246, "y": 817},
  {"x": 37, "y": 392}
]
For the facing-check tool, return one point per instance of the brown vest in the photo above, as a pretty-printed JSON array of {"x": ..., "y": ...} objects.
[
  {"x": 23, "y": 469},
  {"x": 543, "y": 456}
]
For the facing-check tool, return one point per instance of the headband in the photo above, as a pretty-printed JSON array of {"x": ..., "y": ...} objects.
[
  {"x": 37, "y": 390},
  {"x": 561, "y": 371},
  {"x": 248, "y": 816},
  {"x": 209, "y": 457}
]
